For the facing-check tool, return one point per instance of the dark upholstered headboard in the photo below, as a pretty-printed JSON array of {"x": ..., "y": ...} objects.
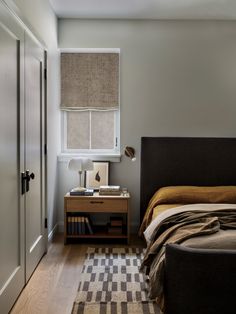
[{"x": 167, "y": 161}]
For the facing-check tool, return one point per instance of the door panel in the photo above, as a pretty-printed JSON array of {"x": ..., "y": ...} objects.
[
  {"x": 11, "y": 161},
  {"x": 22, "y": 136},
  {"x": 34, "y": 102}
]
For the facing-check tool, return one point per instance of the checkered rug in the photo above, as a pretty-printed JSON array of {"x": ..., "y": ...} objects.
[{"x": 112, "y": 284}]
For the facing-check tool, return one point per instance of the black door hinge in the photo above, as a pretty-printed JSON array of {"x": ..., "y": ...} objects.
[
  {"x": 45, "y": 223},
  {"x": 45, "y": 149}
]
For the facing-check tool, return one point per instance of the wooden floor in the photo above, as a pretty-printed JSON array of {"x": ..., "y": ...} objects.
[{"x": 53, "y": 286}]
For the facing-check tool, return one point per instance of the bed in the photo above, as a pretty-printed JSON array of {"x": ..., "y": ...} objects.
[{"x": 206, "y": 165}]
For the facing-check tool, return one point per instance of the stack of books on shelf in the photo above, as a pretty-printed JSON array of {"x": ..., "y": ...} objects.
[
  {"x": 115, "y": 225},
  {"x": 77, "y": 225},
  {"x": 109, "y": 190},
  {"x": 85, "y": 192}
]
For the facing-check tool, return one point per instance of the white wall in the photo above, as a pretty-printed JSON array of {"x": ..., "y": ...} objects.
[
  {"x": 178, "y": 78},
  {"x": 42, "y": 20}
]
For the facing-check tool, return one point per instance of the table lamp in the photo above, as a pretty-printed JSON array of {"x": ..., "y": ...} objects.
[{"x": 81, "y": 165}]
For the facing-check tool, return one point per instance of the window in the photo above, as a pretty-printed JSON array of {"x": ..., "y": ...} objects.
[
  {"x": 91, "y": 131},
  {"x": 90, "y": 102}
]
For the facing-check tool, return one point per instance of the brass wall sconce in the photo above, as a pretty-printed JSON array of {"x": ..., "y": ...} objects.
[{"x": 130, "y": 152}]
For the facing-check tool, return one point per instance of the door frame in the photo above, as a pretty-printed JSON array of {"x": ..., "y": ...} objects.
[{"x": 43, "y": 149}]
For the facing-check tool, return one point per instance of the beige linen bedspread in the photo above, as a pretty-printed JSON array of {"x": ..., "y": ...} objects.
[{"x": 198, "y": 225}]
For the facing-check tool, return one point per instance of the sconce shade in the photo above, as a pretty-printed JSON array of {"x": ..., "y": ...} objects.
[
  {"x": 80, "y": 164},
  {"x": 130, "y": 152}
]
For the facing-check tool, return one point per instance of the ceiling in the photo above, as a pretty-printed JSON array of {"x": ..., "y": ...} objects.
[{"x": 145, "y": 9}]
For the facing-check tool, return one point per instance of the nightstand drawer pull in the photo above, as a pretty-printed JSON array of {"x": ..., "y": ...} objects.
[{"x": 96, "y": 202}]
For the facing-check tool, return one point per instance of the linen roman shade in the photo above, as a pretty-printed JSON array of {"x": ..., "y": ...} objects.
[{"x": 89, "y": 81}]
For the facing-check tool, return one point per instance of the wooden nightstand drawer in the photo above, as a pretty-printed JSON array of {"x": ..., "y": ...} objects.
[{"x": 97, "y": 205}]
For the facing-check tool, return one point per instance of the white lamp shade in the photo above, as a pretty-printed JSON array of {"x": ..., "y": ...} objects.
[{"x": 80, "y": 164}]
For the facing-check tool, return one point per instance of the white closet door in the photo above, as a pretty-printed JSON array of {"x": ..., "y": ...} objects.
[
  {"x": 12, "y": 273},
  {"x": 34, "y": 153}
]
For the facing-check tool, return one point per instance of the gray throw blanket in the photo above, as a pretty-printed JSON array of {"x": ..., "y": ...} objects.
[{"x": 176, "y": 228}]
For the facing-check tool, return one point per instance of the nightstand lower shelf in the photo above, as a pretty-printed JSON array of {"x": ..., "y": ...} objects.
[
  {"x": 98, "y": 236},
  {"x": 99, "y": 233}
]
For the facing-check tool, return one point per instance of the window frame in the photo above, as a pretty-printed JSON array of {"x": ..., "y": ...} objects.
[{"x": 91, "y": 152}]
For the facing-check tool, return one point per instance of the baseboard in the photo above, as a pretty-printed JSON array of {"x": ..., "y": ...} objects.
[
  {"x": 60, "y": 225},
  {"x": 52, "y": 233}
]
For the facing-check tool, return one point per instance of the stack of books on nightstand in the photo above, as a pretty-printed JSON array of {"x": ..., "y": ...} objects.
[
  {"x": 77, "y": 225},
  {"x": 115, "y": 225},
  {"x": 78, "y": 192},
  {"x": 109, "y": 190}
]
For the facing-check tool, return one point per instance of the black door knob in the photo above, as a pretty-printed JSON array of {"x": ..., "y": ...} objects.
[{"x": 28, "y": 177}]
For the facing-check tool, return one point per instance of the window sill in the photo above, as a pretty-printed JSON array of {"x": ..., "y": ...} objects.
[{"x": 64, "y": 157}]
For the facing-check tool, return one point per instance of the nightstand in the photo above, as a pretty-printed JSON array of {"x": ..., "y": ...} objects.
[{"x": 78, "y": 209}]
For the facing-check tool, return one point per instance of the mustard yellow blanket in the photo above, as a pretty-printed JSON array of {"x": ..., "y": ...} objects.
[{"x": 172, "y": 196}]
